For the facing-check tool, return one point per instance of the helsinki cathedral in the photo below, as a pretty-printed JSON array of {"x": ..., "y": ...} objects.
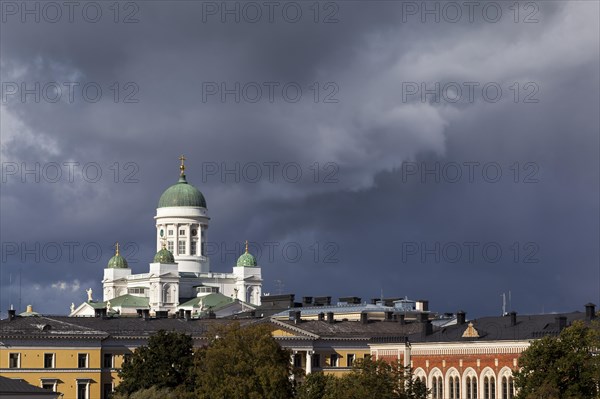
[{"x": 179, "y": 277}]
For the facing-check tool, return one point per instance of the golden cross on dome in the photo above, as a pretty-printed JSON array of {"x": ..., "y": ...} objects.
[
  {"x": 246, "y": 246},
  {"x": 117, "y": 247},
  {"x": 182, "y": 166}
]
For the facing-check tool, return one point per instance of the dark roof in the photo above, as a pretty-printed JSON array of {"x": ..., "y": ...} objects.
[
  {"x": 488, "y": 328},
  {"x": 100, "y": 328},
  {"x": 527, "y": 327},
  {"x": 16, "y": 387},
  {"x": 354, "y": 329},
  {"x": 499, "y": 328}
]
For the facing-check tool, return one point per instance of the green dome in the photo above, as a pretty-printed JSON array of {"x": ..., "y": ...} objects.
[
  {"x": 182, "y": 194},
  {"x": 117, "y": 262},
  {"x": 164, "y": 256},
  {"x": 246, "y": 260}
]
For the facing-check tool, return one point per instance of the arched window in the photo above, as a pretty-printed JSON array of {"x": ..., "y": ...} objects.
[
  {"x": 456, "y": 387},
  {"x": 486, "y": 388},
  {"x": 434, "y": 391},
  {"x": 508, "y": 387},
  {"x": 451, "y": 387},
  {"x": 167, "y": 294},
  {"x": 474, "y": 382},
  {"x": 492, "y": 387},
  {"x": 469, "y": 388},
  {"x": 440, "y": 387}
]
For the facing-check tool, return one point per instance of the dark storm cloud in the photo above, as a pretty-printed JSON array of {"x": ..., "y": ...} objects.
[{"x": 353, "y": 221}]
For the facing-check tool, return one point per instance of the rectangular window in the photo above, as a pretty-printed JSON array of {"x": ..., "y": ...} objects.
[
  {"x": 170, "y": 246},
  {"x": 82, "y": 390},
  {"x": 14, "y": 360},
  {"x": 181, "y": 247},
  {"x": 350, "y": 359},
  {"x": 48, "y": 360},
  {"x": 49, "y": 386},
  {"x": 82, "y": 360},
  {"x": 297, "y": 360},
  {"x": 107, "y": 391},
  {"x": 108, "y": 360},
  {"x": 333, "y": 360},
  {"x": 170, "y": 232},
  {"x": 193, "y": 248},
  {"x": 316, "y": 360},
  {"x": 181, "y": 232}
]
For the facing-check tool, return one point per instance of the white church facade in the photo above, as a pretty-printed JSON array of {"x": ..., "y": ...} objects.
[{"x": 179, "y": 278}]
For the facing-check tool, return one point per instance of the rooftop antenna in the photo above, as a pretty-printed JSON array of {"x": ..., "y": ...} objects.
[
  {"x": 20, "y": 275},
  {"x": 279, "y": 285},
  {"x": 510, "y": 301},
  {"x": 503, "y": 303}
]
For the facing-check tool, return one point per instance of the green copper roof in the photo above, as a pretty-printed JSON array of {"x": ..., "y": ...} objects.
[
  {"x": 182, "y": 194},
  {"x": 246, "y": 260},
  {"x": 129, "y": 301},
  {"x": 117, "y": 262},
  {"x": 164, "y": 256}
]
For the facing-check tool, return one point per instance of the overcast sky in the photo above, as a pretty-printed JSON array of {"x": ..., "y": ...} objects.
[{"x": 436, "y": 150}]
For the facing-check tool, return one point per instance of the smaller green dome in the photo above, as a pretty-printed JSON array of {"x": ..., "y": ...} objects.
[
  {"x": 164, "y": 256},
  {"x": 117, "y": 261},
  {"x": 246, "y": 260}
]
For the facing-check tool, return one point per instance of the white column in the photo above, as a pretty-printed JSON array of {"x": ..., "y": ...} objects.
[{"x": 309, "y": 362}]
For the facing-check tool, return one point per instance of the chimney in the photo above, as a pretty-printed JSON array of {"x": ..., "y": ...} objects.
[
  {"x": 461, "y": 317},
  {"x": 146, "y": 313},
  {"x": 402, "y": 319},
  {"x": 12, "y": 314},
  {"x": 590, "y": 311},
  {"x": 427, "y": 328},
  {"x": 422, "y": 305},
  {"x": 140, "y": 313},
  {"x": 29, "y": 309},
  {"x": 513, "y": 318},
  {"x": 307, "y": 300},
  {"x": 389, "y": 316},
  {"x": 321, "y": 316},
  {"x": 330, "y": 318},
  {"x": 187, "y": 314},
  {"x": 162, "y": 314},
  {"x": 374, "y": 301},
  {"x": 212, "y": 315},
  {"x": 297, "y": 316},
  {"x": 364, "y": 318},
  {"x": 561, "y": 322},
  {"x": 181, "y": 313}
]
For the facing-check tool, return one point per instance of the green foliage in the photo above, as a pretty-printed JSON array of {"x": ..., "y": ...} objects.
[
  {"x": 368, "y": 379},
  {"x": 316, "y": 386},
  {"x": 242, "y": 363},
  {"x": 163, "y": 363},
  {"x": 150, "y": 393},
  {"x": 562, "y": 367}
]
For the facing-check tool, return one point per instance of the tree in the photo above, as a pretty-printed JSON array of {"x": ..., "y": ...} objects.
[
  {"x": 563, "y": 367},
  {"x": 164, "y": 363},
  {"x": 368, "y": 379},
  {"x": 316, "y": 386},
  {"x": 242, "y": 363}
]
